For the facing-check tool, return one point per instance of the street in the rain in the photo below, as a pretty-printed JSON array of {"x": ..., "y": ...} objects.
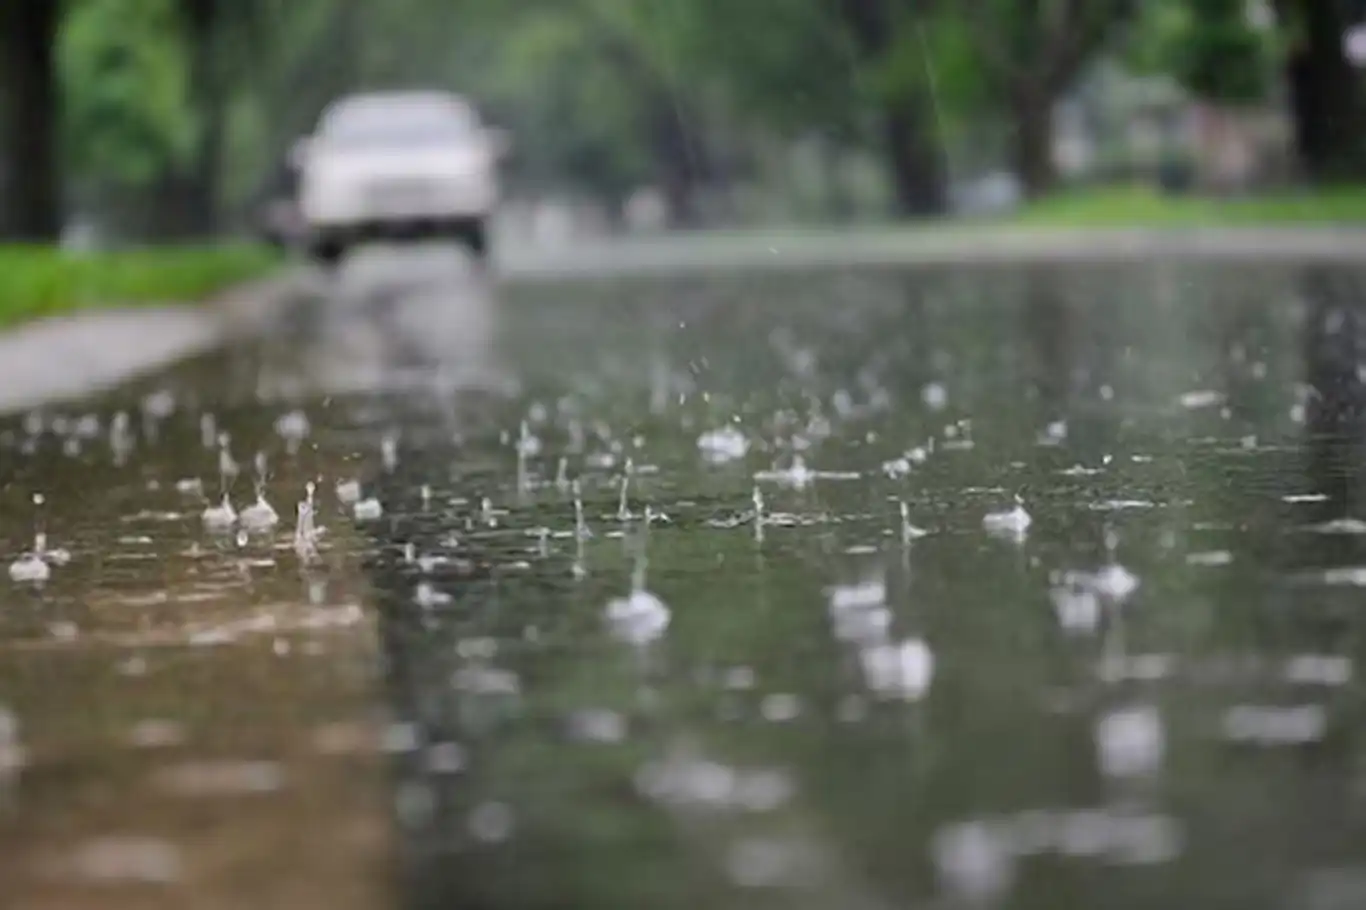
[
  {"x": 1035, "y": 585},
  {"x": 842, "y": 588},
  {"x": 596, "y": 454}
]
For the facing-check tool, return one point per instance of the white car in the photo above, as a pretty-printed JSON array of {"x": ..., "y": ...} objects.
[{"x": 397, "y": 165}]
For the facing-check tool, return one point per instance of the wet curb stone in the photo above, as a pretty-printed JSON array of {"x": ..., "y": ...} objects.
[{"x": 69, "y": 356}]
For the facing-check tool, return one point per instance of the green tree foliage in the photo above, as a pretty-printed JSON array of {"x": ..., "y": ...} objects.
[
  {"x": 1212, "y": 47},
  {"x": 128, "y": 118},
  {"x": 199, "y": 100},
  {"x": 150, "y": 89},
  {"x": 575, "y": 94},
  {"x": 1027, "y": 54}
]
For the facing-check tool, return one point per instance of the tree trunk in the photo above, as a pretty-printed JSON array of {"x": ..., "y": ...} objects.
[
  {"x": 679, "y": 159},
  {"x": 1325, "y": 98},
  {"x": 1033, "y": 143},
  {"x": 30, "y": 162},
  {"x": 916, "y": 167},
  {"x": 913, "y": 161},
  {"x": 198, "y": 187},
  {"x": 836, "y": 201}
]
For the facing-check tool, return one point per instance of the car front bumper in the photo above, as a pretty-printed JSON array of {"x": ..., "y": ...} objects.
[{"x": 396, "y": 201}]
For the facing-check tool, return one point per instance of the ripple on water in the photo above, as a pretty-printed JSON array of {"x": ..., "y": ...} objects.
[
  {"x": 1346, "y": 525},
  {"x": 1209, "y": 558},
  {"x": 772, "y": 862},
  {"x": 12, "y": 754},
  {"x": 684, "y": 781},
  {"x": 1275, "y": 725},
  {"x": 723, "y": 445},
  {"x": 639, "y": 618},
  {"x": 123, "y": 860},
  {"x": 901, "y": 670},
  {"x": 1011, "y": 524},
  {"x": 964, "y": 623},
  {"x": 597, "y": 725},
  {"x": 156, "y": 733},
  {"x": 1131, "y": 742},
  {"x": 979, "y": 858},
  {"x": 492, "y": 822},
  {"x": 221, "y": 778}
]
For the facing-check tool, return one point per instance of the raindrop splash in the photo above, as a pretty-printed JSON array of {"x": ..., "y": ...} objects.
[
  {"x": 305, "y": 532},
  {"x": 1012, "y": 524},
  {"x": 221, "y": 517},
  {"x": 623, "y": 505},
  {"x": 909, "y": 532},
  {"x": 367, "y": 509},
  {"x": 389, "y": 452},
  {"x": 758, "y": 513},
  {"x": 32, "y": 567},
  {"x": 581, "y": 530}
]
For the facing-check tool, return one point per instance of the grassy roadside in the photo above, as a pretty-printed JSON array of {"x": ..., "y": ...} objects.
[
  {"x": 1093, "y": 209},
  {"x": 38, "y": 281},
  {"x": 1140, "y": 206}
]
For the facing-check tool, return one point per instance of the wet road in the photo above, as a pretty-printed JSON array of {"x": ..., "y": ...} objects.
[{"x": 1028, "y": 586}]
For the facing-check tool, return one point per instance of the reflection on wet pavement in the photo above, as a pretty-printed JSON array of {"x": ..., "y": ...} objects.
[
  {"x": 1018, "y": 587},
  {"x": 176, "y": 693}
]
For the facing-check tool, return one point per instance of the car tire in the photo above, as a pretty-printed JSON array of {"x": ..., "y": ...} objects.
[
  {"x": 476, "y": 239},
  {"x": 327, "y": 252}
]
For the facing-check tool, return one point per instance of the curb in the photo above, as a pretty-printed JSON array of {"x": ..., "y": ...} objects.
[{"x": 71, "y": 356}]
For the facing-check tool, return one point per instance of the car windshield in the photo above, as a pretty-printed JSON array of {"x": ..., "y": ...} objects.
[{"x": 376, "y": 123}]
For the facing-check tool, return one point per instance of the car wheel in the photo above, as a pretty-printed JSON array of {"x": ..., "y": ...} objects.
[
  {"x": 476, "y": 239},
  {"x": 327, "y": 252}
]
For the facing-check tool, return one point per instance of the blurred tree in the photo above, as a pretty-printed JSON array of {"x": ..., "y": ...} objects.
[
  {"x": 149, "y": 87},
  {"x": 638, "y": 45},
  {"x": 1212, "y": 47},
  {"x": 224, "y": 42},
  {"x": 775, "y": 74},
  {"x": 1223, "y": 53},
  {"x": 1324, "y": 89},
  {"x": 856, "y": 73},
  {"x": 311, "y": 52},
  {"x": 1220, "y": 55},
  {"x": 31, "y": 193},
  {"x": 124, "y": 119},
  {"x": 598, "y": 93},
  {"x": 882, "y": 36},
  {"x": 1029, "y": 53},
  {"x": 193, "y": 103},
  {"x": 573, "y": 95},
  {"x": 195, "y": 185}
]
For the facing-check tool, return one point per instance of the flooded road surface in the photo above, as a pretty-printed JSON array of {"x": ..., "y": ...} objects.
[{"x": 1031, "y": 587}]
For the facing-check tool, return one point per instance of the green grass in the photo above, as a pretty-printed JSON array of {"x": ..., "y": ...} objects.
[
  {"x": 1138, "y": 206},
  {"x": 39, "y": 281}
]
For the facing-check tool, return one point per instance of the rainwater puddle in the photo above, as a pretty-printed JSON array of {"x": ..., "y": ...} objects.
[{"x": 860, "y": 590}]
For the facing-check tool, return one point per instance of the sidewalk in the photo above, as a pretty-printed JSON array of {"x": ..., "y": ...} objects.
[{"x": 75, "y": 354}]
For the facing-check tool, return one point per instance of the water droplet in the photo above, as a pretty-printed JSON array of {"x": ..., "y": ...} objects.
[
  {"x": 1130, "y": 742},
  {"x": 491, "y": 822}
]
